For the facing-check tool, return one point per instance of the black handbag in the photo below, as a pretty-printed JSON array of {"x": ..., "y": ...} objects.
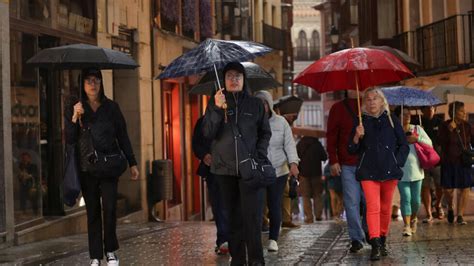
[
  {"x": 255, "y": 172},
  {"x": 467, "y": 155},
  {"x": 71, "y": 184},
  {"x": 293, "y": 184},
  {"x": 97, "y": 163}
]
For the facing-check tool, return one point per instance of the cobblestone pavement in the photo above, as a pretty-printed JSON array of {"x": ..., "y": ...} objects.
[{"x": 192, "y": 243}]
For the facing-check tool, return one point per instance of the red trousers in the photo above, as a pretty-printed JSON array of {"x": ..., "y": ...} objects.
[{"x": 378, "y": 197}]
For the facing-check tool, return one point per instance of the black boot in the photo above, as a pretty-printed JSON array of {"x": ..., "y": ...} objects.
[
  {"x": 383, "y": 246},
  {"x": 375, "y": 253}
]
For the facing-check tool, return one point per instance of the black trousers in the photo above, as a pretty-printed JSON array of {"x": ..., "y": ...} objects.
[
  {"x": 93, "y": 189},
  {"x": 243, "y": 204}
]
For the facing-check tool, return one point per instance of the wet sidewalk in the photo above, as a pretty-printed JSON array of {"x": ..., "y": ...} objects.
[{"x": 192, "y": 243}]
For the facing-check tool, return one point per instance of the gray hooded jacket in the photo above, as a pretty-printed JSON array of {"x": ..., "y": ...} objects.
[{"x": 282, "y": 147}]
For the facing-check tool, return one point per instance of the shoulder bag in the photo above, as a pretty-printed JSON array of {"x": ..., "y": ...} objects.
[
  {"x": 467, "y": 155},
  {"x": 427, "y": 156}
]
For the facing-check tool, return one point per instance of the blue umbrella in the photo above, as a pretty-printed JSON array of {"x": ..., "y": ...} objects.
[
  {"x": 212, "y": 54},
  {"x": 408, "y": 96}
]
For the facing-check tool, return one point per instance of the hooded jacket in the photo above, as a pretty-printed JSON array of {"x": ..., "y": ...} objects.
[
  {"x": 107, "y": 124},
  {"x": 244, "y": 112},
  {"x": 282, "y": 147},
  {"x": 382, "y": 151}
]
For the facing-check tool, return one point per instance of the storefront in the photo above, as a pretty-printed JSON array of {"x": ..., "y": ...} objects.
[{"x": 38, "y": 98}]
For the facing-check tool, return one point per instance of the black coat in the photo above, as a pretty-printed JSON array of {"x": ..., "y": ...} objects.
[
  {"x": 248, "y": 113},
  {"x": 201, "y": 147},
  {"x": 108, "y": 128},
  {"x": 311, "y": 153},
  {"x": 382, "y": 151}
]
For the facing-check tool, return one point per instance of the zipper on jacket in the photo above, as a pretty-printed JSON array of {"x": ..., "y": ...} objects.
[
  {"x": 361, "y": 160},
  {"x": 235, "y": 137},
  {"x": 395, "y": 158}
]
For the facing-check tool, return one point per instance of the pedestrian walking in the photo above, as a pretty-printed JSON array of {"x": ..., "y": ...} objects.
[
  {"x": 312, "y": 154},
  {"x": 413, "y": 175},
  {"x": 341, "y": 121},
  {"x": 230, "y": 107},
  {"x": 383, "y": 149},
  {"x": 335, "y": 193},
  {"x": 106, "y": 124},
  {"x": 202, "y": 150},
  {"x": 455, "y": 137},
  {"x": 431, "y": 125},
  {"x": 284, "y": 158}
]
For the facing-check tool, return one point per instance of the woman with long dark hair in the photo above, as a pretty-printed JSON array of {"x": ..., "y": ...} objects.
[{"x": 103, "y": 120}]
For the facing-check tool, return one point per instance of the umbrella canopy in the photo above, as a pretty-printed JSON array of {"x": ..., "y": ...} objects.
[
  {"x": 80, "y": 56},
  {"x": 408, "y": 96},
  {"x": 288, "y": 104},
  {"x": 257, "y": 79},
  {"x": 457, "y": 91},
  {"x": 210, "y": 54},
  {"x": 402, "y": 56},
  {"x": 353, "y": 68}
]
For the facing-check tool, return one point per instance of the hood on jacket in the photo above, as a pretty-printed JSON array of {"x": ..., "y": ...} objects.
[
  {"x": 265, "y": 95},
  {"x": 92, "y": 72}
]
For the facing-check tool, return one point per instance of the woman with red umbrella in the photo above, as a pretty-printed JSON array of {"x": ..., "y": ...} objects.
[{"x": 382, "y": 147}]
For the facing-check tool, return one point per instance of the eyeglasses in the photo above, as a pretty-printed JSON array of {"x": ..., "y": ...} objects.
[
  {"x": 91, "y": 81},
  {"x": 237, "y": 77}
]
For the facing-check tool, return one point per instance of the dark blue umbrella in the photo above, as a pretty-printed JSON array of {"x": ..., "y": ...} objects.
[
  {"x": 212, "y": 55},
  {"x": 408, "y": 96}
]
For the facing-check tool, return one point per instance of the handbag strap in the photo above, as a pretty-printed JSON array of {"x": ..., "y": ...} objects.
[
  {"x": 235, "y": 130},
  {"x": 463, "y": 145}
]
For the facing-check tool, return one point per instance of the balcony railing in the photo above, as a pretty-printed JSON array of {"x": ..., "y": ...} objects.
[
  {"x": 446, "y": 43},
  {"x": 274, "y": 37}
]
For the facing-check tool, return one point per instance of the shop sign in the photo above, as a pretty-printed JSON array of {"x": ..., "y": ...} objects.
[
  {"x": 25, "y": 105},
  {"x": 123, "y": 42},
  {"x": 74, "y": 21}
]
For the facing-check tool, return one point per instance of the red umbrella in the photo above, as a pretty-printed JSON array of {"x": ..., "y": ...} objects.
[{"x": 353, "y": 69}]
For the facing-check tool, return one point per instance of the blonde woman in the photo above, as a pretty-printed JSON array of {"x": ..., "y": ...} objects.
[{"x": 383, "y": 149}]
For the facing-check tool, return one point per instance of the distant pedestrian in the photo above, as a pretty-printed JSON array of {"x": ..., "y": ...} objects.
[
  {"x": 312, "y": 154},
  {"x": 383, "y": 149},
  {"x": 284, "y": 158},
  {"x": 413, "y": 175},
  {"x": 230, "y": 107},
  {"x": 202, "y": 150},
  {"x": 335, "y": 192},
  {"x": 341, "y": 121},
  {"x": 432, "y": 180},
  {"x": 454, "y": 137}
]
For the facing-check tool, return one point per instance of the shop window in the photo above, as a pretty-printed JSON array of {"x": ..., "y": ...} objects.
[
  {"x": 28, "y": 185},
  {"x": 302, "y": 47},
  {"x": 35, "y": 10},
  {"x": 76, "y": 16}
]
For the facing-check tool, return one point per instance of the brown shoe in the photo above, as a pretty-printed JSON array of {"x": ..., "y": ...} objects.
[
  {"x": 290, "y": 225},
  {"x": 308, "y": 221}
]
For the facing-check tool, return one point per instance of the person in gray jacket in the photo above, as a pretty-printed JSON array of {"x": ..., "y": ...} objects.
[{"x": 284, "y": 158}]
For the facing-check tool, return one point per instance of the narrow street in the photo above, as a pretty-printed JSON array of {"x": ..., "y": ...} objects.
[{"x": 192, "y": 243}]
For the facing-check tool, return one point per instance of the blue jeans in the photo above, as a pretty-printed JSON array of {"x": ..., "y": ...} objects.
[
  {"x": 218, "y": 211},
  {"x": 353, "y": 201},
  {"x": 274, "y": 199}
]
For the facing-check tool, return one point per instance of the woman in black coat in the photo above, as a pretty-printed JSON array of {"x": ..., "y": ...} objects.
[
  {"x": 110, "y": 139},
  {"x": 383, "y": 149}
]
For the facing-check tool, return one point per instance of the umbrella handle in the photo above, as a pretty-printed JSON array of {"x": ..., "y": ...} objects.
[
  {"x": 358, "y": 99},
  {"x": 224, "y": 106}
]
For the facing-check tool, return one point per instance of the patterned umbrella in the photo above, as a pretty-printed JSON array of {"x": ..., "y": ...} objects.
[
  {"x": 407, "y": 96},
  {"x": 212, "y": 54}
]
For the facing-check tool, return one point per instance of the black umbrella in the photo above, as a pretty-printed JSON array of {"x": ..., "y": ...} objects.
[
  {"x": 80, "y": 56},
  {"x": 288, "y": 104},
  {"x": 408, "y": 61},
  {"x": 257, "y": 79}
]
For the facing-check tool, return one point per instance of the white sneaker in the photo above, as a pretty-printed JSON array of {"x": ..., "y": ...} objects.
[
  {"x": 112, "y": 259},
  {"x": 95, "y": 262},
  {"x": 272, "y": 245}
]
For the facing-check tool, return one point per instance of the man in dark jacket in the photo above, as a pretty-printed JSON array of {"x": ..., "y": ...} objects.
[
  {"x": 311, "y": 153},
  {"x": 202, "y": 150},
  {"x": 230, "y": 109}
]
